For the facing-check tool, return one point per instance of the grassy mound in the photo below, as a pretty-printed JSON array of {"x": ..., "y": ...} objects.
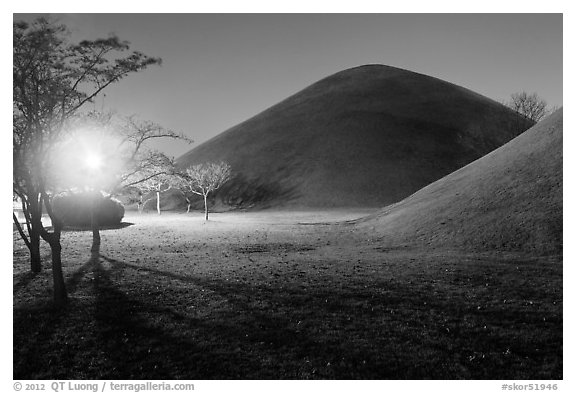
[
  {"x": 510, "y": 199},
  {"x": 364, "y": 137}
]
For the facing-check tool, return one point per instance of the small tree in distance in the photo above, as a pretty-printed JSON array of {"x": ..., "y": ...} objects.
[
  {"x": 162, "y": 182},
  {"x": 530, "y": 106},
  {"x": 204, "y": 178}
]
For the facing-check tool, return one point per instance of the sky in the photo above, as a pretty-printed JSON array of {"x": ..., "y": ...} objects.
[{"x": 221, "y": 69}]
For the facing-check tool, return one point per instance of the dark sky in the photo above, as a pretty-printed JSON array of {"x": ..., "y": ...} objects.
[{"x": 221, "y": 69}]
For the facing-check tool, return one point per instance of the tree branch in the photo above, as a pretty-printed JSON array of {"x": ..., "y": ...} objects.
[{"x": 22, "y": 234}]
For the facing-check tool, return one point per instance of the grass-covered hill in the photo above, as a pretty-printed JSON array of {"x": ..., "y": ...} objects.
[
  {"x": 364, "y": 137},
  {"x": 510, "y": 199}
]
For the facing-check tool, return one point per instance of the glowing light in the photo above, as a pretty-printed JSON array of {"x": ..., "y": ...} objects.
[{"x": 93, "y": 161}]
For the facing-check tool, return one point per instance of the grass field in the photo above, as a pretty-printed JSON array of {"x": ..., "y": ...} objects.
[{"x": 278, "y": 295}]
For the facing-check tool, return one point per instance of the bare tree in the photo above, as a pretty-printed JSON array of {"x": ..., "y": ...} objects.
[
  {"x": 142, "y": 168},
  {"x": 161, "y": 182},
  {"x": 139, "y": 162},
  {"x": 52, "y": 81},
  {"x": 204, "y": 178},
  {"x": 530, "y": 106}
]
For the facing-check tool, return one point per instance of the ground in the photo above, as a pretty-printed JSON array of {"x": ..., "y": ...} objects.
[{"x": 283, "y": 295}]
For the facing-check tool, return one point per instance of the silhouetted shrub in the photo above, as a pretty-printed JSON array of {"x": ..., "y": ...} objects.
[{"x": 74, "y": 209}]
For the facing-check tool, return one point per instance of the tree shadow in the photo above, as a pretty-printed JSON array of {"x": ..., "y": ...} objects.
[
  {"x": 138, "y": 338},
  {"x": 71, "y": 228},
  {"x": 36, "y": 325},
  {"x": 282, "y": 335},
  {"x": 76, "y": 277},
  {"x": 23, "y": 280},
  {"x": 118, "y": 335},
  {"x": 140, "y": 322}
]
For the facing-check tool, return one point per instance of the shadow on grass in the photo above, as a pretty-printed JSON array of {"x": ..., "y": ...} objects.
[
  {"x": 74, "y": 280},
  {"x": 332, "y": 334},
  {"x": 132, "y": 346},
  {"x": 23, "y": 280},
  {"x": 38, "y": 328},
  {"x": 208, "y": 347},
  {"x": 72, "y": 228},
  {"x": 139, "y": 322},
  {"x": 119, "y": 337}
]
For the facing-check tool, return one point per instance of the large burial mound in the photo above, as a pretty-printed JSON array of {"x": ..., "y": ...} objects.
[
  {"x": 511, "y": 199},
  {"x": 364, "y": 137}
]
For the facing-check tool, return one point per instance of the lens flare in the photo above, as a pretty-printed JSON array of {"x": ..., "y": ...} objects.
[{"x": 93, "y": 161}]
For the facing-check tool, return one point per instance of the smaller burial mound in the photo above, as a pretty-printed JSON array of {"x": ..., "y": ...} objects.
[{"x": 510, "y": 199}]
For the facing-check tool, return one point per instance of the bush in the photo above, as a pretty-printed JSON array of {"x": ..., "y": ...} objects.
[{"x": 74, "y": 209}]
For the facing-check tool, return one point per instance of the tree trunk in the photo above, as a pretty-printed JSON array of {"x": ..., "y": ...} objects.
[
  {"x": 35, "y": 214},
  {"x": 35, "y": 259},
  {"x": 206, "y": 207},
  {"x": 158, "y": 201},
  {"x": 94, "y": 223},
  {"x": 32, "y": 241},
  {"x": 53, "y": 239},
  {"x": 60, "y": 294},
  {"x": 141, "y": 204}
]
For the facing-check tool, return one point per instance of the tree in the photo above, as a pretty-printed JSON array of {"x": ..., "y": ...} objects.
[
  {"x": 139, "y": 163},
  {"x": 162, "y": 181},
  {"x": 530, "y": 106},
  {"x": 204, "y": 178},
  {"x": 109, "y": 155},
  {"x": 53, "y": 79}
]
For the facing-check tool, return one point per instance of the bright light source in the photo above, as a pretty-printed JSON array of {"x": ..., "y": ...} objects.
[{"x": 93, "y": 161}]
